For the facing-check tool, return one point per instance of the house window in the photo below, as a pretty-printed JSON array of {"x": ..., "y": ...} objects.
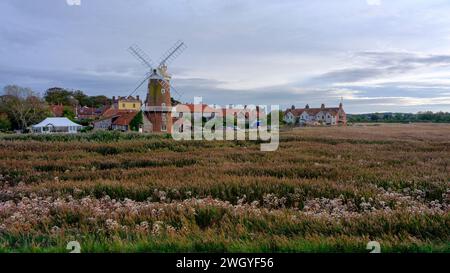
[
  {"x": 123, "y": 105},
  {"x": 134, "y": 105}
]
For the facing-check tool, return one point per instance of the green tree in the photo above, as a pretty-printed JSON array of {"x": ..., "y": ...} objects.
[
  {"x": 98, "y": 101},
  {"x": 280, "y": 118},
  {"x": 5, "y": 123},
  {"x": 82, "y": 98},
  {"x": 374, "y": 117},
  {"x": 68, "y": 113},
  {"x": 137, "y": 121},
  {"x": 428, "y": 116},
  {"x": 58, "y": 95},
  {"x": 23, "y": 106}
]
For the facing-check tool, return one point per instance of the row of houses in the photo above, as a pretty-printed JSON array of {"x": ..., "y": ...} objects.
[
  {"x": 120, "y": 115},
  {"x": 117, "y": 118},
  {"x": 157, "y": 114},
  {"x": 316, "y": 116},
  {"x": 120, "y": 118}
]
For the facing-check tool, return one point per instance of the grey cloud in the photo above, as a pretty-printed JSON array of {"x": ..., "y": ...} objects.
[
  {"x": 380, "y": 64},
  {"x": 346, "y": 75},
  {"x": 284, "y": 95},
  {"x": 46, "y": 43},
  {"x": 40, "y": 80},
  {"x": 357, "y": 74},
  {"x": 404, "y": 58}
]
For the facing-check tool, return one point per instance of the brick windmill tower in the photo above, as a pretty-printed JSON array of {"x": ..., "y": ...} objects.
[{"x": 158, "y": 104}]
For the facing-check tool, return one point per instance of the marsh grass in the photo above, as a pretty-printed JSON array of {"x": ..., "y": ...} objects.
[{"x": 323, "y": 190}]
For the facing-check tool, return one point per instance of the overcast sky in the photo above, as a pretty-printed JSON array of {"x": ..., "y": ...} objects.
[{"x": 378, "y": 55}]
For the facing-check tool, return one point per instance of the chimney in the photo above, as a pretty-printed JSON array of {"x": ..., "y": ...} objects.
[
  {"x": 322, "y": 106},
  {"x": 293, "y": 107},
  {"x": 137, "y": 97},
  {"x": 307, "y": 106},
  {"x": 114, "y": 99}
]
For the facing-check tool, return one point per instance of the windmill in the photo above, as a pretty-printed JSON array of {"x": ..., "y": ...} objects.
[
  {"x": 158, "y": 105},
  {"x": 170, "y": 55}
]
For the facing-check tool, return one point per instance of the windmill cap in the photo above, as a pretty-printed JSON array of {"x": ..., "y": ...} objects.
[{"x": 155, "y": 75}]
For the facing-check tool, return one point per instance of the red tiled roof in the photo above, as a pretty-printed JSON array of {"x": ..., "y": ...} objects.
[
  {"x": 110, "y": 112},
  {"x": 313, "y": 111},
  {"x": 125, "y": 118},
  {"x": 295, "y": 112}
]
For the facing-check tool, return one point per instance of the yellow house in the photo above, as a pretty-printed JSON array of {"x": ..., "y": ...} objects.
[{"x": 127, "y": 103}]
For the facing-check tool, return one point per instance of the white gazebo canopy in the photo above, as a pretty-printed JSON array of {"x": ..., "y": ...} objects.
[{"x": 56, "y": 125}]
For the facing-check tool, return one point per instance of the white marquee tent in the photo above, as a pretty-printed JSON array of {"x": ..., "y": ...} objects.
[{"x": 56, "y": 125}]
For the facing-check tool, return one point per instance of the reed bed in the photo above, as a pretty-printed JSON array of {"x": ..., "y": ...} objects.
[{"x": 323, "y": 190}]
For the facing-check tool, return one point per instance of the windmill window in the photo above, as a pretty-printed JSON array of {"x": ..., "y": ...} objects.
[
  {"x": 163, "y": 122},
  {"x": 163, "y": 91}
]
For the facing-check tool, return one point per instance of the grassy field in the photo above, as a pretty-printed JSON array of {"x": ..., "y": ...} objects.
[{"x": 324, "y": 190}]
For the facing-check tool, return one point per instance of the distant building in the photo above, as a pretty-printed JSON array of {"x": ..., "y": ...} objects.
[
  {"x": 204, "y": 112},
  {"x": 200, "y": 111},
  {"x": 114, "y": 119},
  {"x": 316, "y": 116},
  {"x": 86, "y": 112},
  {"x": 123, "y": 122},
  {"x": 56, "y": 125},
  {"x": 129, "y": 103}
]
